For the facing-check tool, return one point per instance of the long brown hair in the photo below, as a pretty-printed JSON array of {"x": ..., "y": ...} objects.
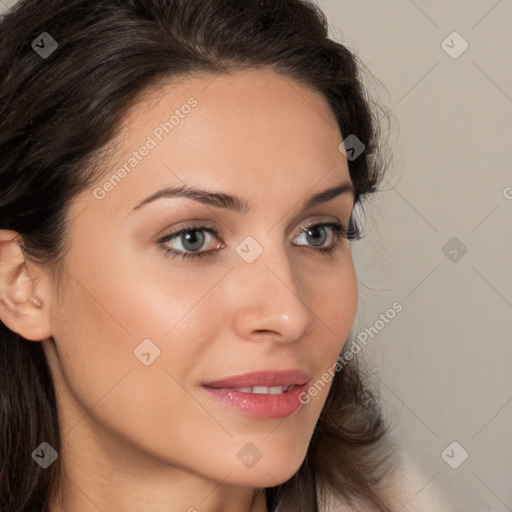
[{"x": 57, "y": 115}]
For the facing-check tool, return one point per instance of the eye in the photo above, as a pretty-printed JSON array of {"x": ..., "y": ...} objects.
[
  {"x": 192, "y": 239},
  {"x": 320, "y": 232},
  {"x": 337, "y": 230}
]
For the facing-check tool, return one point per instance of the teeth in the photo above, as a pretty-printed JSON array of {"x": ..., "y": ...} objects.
[
  {"x": 264, "y": 390},
  {"x": 261, "y": 390}
]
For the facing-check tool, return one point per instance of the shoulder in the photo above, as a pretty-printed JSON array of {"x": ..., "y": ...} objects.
[
  {"x": 409, "y": 487},
  {"x": 406, "y": 488}
]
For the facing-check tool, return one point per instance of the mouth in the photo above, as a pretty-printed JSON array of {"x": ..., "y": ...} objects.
[
  {"x": 262, "y": 394},
  {"x": 262, "y": 390}
]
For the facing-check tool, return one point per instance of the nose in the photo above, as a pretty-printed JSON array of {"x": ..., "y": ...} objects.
[{"x": 271, "y": 305}]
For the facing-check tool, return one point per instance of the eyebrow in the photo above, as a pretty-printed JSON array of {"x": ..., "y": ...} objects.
[{"x": 222, "y": 200}]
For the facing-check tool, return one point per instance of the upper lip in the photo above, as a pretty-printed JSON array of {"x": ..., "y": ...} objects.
[{"x": 285, "y": 378}]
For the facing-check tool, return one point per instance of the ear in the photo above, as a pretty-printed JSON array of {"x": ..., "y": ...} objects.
[{"x": 22, "y": 289}]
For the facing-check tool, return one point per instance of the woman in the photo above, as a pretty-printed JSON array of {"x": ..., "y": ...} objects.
[{"x": 179, "y": 184}]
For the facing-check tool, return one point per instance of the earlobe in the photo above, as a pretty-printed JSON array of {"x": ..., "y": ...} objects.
[{"x": 21, "y": 307}]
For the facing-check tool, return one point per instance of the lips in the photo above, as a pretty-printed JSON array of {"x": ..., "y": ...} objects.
[
  {"x": 262, "y": 378},
  {"x": 264, "y": 394}
]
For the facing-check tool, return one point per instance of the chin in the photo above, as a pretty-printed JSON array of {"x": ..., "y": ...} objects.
[
  {"x": 268, "y": 471},
  {"x": 262, "y": 478}
]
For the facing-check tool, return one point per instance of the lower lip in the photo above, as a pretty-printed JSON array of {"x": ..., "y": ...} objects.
[{"x": 259, "y": 405}]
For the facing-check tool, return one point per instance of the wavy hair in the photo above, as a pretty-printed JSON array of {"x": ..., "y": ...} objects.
[{"x": 57, "y": 118}]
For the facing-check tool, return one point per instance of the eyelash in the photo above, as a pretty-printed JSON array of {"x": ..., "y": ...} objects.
[{"x": 339, "y": 230}]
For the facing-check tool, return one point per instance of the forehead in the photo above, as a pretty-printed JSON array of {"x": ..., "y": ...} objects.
[{"x": 249, "y": 130}]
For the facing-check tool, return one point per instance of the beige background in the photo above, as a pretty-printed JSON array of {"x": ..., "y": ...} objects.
[
  {"x": 445, "y": 359},
  {"x": 443, "y": 363}
]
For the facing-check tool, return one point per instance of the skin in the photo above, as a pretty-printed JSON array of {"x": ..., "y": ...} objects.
[{"x": 148, "y": 438}]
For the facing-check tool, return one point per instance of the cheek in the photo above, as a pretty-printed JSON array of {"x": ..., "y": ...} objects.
[
  {"x": 333, "y": 299},
  {"x": 102, "y": 321},
  {"x": 334, "y": 302},
  {"x": 113, "y": 313}
]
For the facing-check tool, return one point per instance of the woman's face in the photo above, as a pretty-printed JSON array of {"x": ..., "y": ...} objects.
[{"x": 137, "y": 332}]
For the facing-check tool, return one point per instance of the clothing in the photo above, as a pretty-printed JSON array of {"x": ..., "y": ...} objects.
[{"x": 407, "y": 489}]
